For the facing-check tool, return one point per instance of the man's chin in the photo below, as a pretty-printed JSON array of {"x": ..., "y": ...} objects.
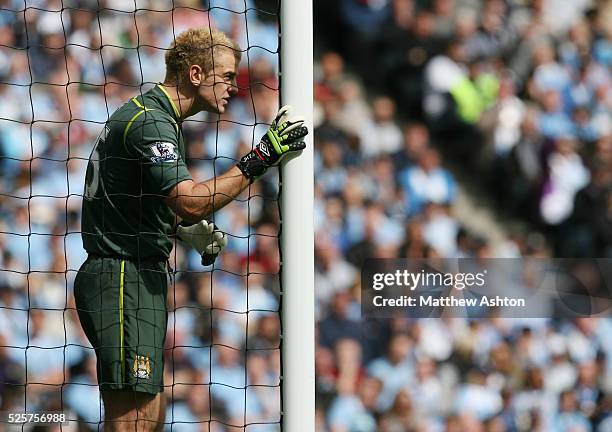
[
  {"x": 219, "y": 109},
  {"x": 213, "y": 109},
  {"x": 222, "y": 107}
]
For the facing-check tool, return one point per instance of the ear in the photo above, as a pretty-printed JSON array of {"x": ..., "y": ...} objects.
[{"x": 195, "y": 75}]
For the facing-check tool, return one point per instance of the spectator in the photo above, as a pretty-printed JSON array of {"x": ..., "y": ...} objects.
[
  {"x": 12, "y": 377},
  {"x": 401, "y": 415},
  {"x": 352, "y": 411},
  {"x": 394, "y": 371},
  {"x": 338, "y": 324},
  {"x": 440, "y": 229},
  {"x": 415, "y": 142},
  {"x": 590, "y": 232},
  {"x": 426, "y": 394},
  {"x": 476, "y": 398},
  {"x": 554, "y": 121},
  {"x": 333, "y": 274},
  {"x": 83, "y": 396},
  {"x": 427, "y": 182},
  {"x": 567, "y": 175},
  {"x": 380, "y": 135},
  {"x": 570, "y": 419}
]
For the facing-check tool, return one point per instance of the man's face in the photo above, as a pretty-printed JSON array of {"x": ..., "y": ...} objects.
[{"x": 220, "y": 83}]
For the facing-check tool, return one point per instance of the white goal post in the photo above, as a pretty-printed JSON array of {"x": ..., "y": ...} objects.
[{"x": 297, "y": 237}]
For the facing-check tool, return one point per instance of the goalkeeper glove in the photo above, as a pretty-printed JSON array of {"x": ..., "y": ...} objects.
[
  {"x": 283, "y": 137},
  {"x": 204, "y": 237}
]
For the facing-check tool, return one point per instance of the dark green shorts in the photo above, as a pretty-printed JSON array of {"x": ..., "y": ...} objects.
[{"x": 122, "y": 308}]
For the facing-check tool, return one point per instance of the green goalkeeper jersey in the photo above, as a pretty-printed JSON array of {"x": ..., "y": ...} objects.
[{"x": 137, "y": 159}]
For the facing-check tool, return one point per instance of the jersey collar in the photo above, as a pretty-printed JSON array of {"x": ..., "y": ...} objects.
[{"x": 167, "y": 102}]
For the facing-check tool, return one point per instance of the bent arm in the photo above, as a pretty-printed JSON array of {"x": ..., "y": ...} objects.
[{"x": 193, "y": 201}]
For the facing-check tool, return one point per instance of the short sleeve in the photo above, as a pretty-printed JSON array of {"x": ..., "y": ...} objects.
[{"x": 154, "y": 141}]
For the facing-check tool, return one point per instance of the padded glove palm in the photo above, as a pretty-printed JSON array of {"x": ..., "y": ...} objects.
[
  {"x": 204, "y": 237},
  {"x": 283, "y": 137}
]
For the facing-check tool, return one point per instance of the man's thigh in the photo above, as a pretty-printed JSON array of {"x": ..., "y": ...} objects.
[{"x": 122, "y": 309}]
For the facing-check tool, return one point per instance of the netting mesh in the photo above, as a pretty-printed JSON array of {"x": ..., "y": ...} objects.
[{"x": 65, "y": 67}]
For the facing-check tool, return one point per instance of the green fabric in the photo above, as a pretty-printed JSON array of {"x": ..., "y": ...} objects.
[
  {"x": 488, "y": 87},
  {"x": 472, "y": 98},
  {"x": 138, "y": 158},
  {"x": 123, "y": 314},
  {"x": 467, "y": 98}
]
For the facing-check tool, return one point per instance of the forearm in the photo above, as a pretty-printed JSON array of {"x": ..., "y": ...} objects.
[{"x": 195, "y": 201}]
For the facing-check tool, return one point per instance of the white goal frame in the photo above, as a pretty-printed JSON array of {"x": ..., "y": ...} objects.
[{"x": 297, "y": 235}]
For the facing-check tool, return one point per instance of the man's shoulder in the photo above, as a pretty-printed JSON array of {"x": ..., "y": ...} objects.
[
  {"x": 123, "y": 114},
  {"x": 134, "y": 123},
  {"x": 134, "y": 112},
  {"x": 154, "y": 120}
]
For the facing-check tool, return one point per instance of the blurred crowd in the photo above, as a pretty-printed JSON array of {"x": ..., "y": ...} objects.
[
  {"x": 416, "y": 102},
  {"x": 65, "y": 66},
  {"x": 517, "y": 92},
  {"x": 408, "y": 94}
]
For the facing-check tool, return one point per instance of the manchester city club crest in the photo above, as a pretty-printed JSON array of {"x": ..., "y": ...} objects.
[{"x": 142, "y": 367}]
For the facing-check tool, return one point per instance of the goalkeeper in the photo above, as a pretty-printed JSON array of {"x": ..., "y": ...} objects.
[{"x": 137, "y": 188}]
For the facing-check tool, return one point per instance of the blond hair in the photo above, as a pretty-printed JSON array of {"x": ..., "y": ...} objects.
[{"x": 196, "y": 46}]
